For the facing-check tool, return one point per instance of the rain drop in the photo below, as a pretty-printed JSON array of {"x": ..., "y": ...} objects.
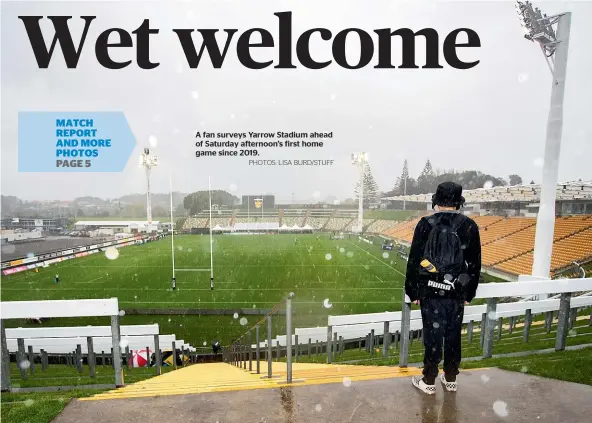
[
  {"x": 448, "y": 277},
  {"x": 347, "y": 382},
  {"x": 488, "y": 184},
  {"x": 385, "y": 255},
  {"x": 123, "y": 343},
  {"x": 350, "y": 254},
  {"x": 342, "y": 250},
  {"x": 152, "y": 140},
  {"x": 328, "y": 256},
  {"x": 25, "y": 364},
  {"x": 500, "y": 408},
  {"x": 524, "y": 369},
  {"x": 327, "y": 304},
  {"x": 484, "y": 378},
  {"x": 572, "y": 332},
  {"x": 122, "y": 313},
  {"x": 205, "y": 343},
  {"x": 111, "y": 253},
  {"x": 235, "y": 315},
  {"x": 318, "y": 408},
  {"x": 436, "y": 325},
  {"x": 29, "y": 402},
  {"x": 243, "y": 321}
]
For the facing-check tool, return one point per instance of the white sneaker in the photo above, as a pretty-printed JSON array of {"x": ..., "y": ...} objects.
[
  {"x": 449, "y": 386},
  {"x": 422, "y": 386}
]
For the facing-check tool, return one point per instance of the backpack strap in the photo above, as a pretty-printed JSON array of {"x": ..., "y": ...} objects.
[{"x": 457, "y": 221}]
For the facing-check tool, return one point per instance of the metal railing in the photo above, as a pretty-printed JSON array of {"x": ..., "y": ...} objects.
[
  {"x": 240, "y": 352},
  {"x": 401, "y": 328}
]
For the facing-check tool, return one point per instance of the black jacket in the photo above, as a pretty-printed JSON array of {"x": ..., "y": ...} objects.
[{"x": 468, "y": 232}]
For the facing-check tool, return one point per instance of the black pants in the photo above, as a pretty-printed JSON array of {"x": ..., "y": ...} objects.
[{"x": 442, "y": 323}]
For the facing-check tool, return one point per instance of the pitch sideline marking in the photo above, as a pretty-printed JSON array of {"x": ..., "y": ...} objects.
[
  {"x": 376, "y": 258},
  {"x": 94, "y": 280}
]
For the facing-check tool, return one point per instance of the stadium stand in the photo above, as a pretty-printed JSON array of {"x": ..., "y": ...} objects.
[
  {"x": 379, "y": 226},
  {"x": 403, "y": 231},
  {"x": 485, "y": 221},
  {"x": 505, "y": 227},
  {"x": 341, "y": 220},
  {"x": 293, "y": 217},
  {"x": 507, "y": 243},
  {"x": 577, "y": 247},
  {"x": 318, "y": 218},
  {"x": 196, "y": 222}
]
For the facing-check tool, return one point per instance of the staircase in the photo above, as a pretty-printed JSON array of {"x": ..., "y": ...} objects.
[{"x": 223, "y": 377}]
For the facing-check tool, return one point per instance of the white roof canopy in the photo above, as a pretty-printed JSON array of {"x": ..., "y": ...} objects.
[{"x": 566, "y": 191}]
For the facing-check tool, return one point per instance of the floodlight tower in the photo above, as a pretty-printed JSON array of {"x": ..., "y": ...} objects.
[
  {"x": 148, "y": 161},
  {"x": 554, "y": 44},
  {"x": 360, "y": 159}
]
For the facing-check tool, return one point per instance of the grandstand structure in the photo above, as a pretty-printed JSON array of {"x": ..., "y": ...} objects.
[
  {"x": 310, "y": 219},
  {"x": 508, "y": 241},
  {"x": 571, "y": 198}
]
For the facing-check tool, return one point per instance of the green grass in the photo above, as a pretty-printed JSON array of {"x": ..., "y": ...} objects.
[
  {"x": 119, "y": 218},
  {"x": 38, "y": 407},
  {"x": 571, "y": 366},
  {"x": 250, "y": 272},
  {"x": 61, "y": 375}
]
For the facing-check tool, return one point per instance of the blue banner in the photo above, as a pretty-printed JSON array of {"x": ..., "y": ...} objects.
[{"x": 74, "y": 142}]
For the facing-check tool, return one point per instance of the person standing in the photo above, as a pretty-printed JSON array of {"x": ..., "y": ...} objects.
[
  {"x": 442, "y": 277},
  {"x": 56, "y": 278}
]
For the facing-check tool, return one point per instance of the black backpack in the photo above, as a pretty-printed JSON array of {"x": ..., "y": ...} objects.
[{"x": 443, "y": 256}]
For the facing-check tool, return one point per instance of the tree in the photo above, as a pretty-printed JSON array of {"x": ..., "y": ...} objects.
[
  {"x": 160, "y": 211},
  {"x": 371, "y": 191},
  {"x": 199, "y": 201},
  {"x": 425, "y": 181},
  {"x": 180, "y": 211},
  {"x": 515, "y": 180}
]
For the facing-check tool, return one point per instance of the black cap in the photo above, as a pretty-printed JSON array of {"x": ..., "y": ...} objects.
[{"x": 448, "y": 194}]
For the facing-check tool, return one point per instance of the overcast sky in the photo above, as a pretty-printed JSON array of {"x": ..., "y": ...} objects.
[{"x": 491, "y": 118}]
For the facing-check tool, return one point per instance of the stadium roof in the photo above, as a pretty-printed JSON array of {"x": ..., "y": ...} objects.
[{"x": 566, "y": 191}]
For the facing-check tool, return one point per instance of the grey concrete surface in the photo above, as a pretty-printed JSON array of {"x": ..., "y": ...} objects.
[{"x": 484, "y": 396}]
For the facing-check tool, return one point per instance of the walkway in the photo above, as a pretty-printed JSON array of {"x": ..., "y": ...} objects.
[{"x": 333, "y": 394}]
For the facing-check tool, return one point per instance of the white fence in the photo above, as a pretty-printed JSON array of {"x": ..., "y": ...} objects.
[
  {"x": 60, "y": 308},
  {"x": 83, "y": 339},
  {"x": 352, "y": 327},
  {"x": 357, "y": 326}
]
